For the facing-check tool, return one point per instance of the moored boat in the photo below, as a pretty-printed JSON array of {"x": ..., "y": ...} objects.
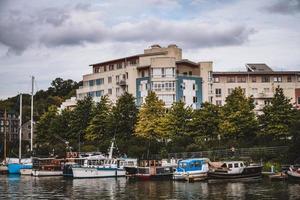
[
  {"x": 235, "y": 170},
  {"x": 194, "y": 169},
  {"x": 151, "y": 170},
  {"x": 47, "y": 167},
  {"x": 293, "y": 174},
  {"x": 3, "y": 169}
]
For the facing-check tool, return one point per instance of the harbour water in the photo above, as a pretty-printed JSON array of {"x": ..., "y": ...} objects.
[{"x": 26, "y": 187}]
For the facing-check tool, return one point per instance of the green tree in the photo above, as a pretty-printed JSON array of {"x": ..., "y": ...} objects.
[
  {"x": 80, "y": 118},
  {"x": 149, "y": 117},
  {"x": 205, "y": 121},
  {"x": 99, "y": 126},
  {"x": 277, "y": 117},
  {"x": 175, "y": 126},
  {"x": 238, "y": 119}
]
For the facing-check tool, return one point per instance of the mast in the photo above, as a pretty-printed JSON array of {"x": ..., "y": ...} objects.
[
  {"x": 31, "y": 119},
  {"x": 20, "y": 134},
  {"x": 5, "y": 119},
  {"x": 111, "y": 149}
]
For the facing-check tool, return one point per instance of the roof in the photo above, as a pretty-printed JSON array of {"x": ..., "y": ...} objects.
[
  {"x": 188, "y": 62},
  {"x": 193, "y": 159},
  {"x": 254, "y": 67},
  {"x": 129, "y": 57},
  {"x": 258, "y": 73}
]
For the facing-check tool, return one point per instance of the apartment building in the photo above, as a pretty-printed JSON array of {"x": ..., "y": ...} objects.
[
  {"x": 11, "y": 124},
  {"x": 259, "y": 81},
  {"x": 159, "y": 69}
]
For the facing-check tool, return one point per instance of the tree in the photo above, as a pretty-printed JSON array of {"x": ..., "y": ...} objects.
[
  {"x": 175, "y": 126},
  {"x": 277, "y": 117},
  {"x": 205, "y": 121},
  {"x": 99, "y": 126},
  {"x": 123, "y": 119},
  {"x": 238, "y": 119},
  {"x": 149, "y": 118},
  {"x": 81, "y": 117}
]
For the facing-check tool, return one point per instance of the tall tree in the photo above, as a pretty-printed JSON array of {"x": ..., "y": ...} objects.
[
  {"x": 99, "y": 126},
  {"x": 277, "y": 117},
  {"x": 149, "y": 117},
  {"x": 81, "y": 117},
  {"x": 238, "y": 119}
]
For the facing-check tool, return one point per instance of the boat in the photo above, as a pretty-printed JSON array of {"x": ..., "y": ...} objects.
[
  {"x": 194, "y": 169},
  {"x": 47, "y": 167},
  {"x": 293, "y": 174},
  {"x": 280, "y": 176},
  {"x": 151, "y": 170},
  {"x": 235, "y": 170},
  {"x": 102, "y": 166},
  {"x": 3, "y": 168}
]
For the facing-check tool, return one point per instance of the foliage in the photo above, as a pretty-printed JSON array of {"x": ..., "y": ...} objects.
[
  {"x": 277, "y": 117},
  {"x": 237, "y": 116}
]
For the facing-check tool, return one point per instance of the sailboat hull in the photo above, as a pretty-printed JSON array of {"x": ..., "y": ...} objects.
[{"x": 14, "y": 168}]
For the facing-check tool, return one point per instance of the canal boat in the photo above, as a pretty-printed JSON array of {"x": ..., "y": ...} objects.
[
  {"x": 194, "y": 169},
  {"x": 3, "y": 169},
  {"x": 235, "y": 170},
  {"x": 293, "y": 174},
  {"x": 151, "y": 170},
  {"x": 47, "y": 167}
]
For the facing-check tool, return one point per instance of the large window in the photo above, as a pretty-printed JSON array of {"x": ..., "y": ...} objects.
[
  {"x": 218, "y": 92},
  {"x": 163, "y": 86},
  {"x": 265, "y": 79},
  {"x": 241, "y": 79},
  {"x": 277, "y": 79},
  {"x": 109, "y": 80},
  {"x": 100, "y": 81},
  {"x": 163, "y": 72},
  {"x": 230, "y": 79},
  {"x": 99, "y": 93},
  {"x": 91, "y": 83}
]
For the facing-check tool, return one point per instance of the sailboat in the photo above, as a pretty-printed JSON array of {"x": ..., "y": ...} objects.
[
  {"x": 23, "y": 166},
  {"x": 3, "y": 166}
]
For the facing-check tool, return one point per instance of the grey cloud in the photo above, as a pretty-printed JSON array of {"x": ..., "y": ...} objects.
[{"x": 284, "y": 7}]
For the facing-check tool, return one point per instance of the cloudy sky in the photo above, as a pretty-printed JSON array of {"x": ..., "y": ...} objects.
[{"x": 50, "y": 39}]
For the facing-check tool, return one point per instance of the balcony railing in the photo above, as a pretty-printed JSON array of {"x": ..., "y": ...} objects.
[{"x": 121, "y": 83}]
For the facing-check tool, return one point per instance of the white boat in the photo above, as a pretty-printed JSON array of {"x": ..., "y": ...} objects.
[
  {"x": 103, "y": 167},
  {"x": 293, "y": 174},
  {"x": 192, "y": 169}
]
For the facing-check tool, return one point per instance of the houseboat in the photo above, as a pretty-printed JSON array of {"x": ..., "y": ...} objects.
[
  {"x": 47, "y": 167},
  {"x": 234, "y": 170},
  {"x": 293, "y": 174},
  {"x": 151, "y": 170},
  {"x": 194, "y": 169}
]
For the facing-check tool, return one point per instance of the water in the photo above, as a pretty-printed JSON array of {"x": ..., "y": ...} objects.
[{"x": 17, "y": 187}]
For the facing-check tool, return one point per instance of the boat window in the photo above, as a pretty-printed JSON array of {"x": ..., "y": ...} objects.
[
  {"x": 230, "y": 165},
  {"x": 197, "y": 164},
  {"x": 236, "y": 165},
  {"x": 241, "y": 164},
  {"x": 182, "y": 165}
]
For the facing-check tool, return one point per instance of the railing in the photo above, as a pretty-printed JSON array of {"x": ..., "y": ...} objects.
[
  {"x": 121, "y": 82},
  {"x": 226, "y": 153}
]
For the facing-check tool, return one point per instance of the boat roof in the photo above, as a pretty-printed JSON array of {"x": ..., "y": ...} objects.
[
  {"x": 193, "y": 159},
  {"x": 234, "y": 161}
]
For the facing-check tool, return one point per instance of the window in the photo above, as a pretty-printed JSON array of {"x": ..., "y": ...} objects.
[
  {"x": 277, "y": 79},
  {"x": 298, "y": 78},
  {"x": 109, "y": 91},
  {"x": 96, "y": 69},
  {"x": 111, "y": 67},
  {"x": 236, "y": 165},
  {"x": 298, "y": 100},
  {"x": 230, "y": 79},
  {"x": 91, "y": 83},
  {"x": 230, "y": 90},
  {"x": 218, "y": 102},
  {"x": 99, "y": 93},
  {"x": 100, "y": 81},
  {"x": 185, "y": 73},
  {"x": 143, "y": 74},
  {"x": 241, "y": 79},
  {"x": 194, "y": 86},
  {"x": 117, "y": 78},
  {"x": 126, "y": 75},
  {"x": 133, "y": 62},
  {"x": 109, "y": 79},
  {"x": 104, "y": 68},
  {"x": 91, "y": 94},
  {"x": 119, "y": 66},
  {"x": 229, "y": 165},
  {"x": 156, "y": 72},
  {"x": 253, "y": 79},
  {"x": 241, "y": 165},
  {"x": 183, "y": 99},
  {"x": 218, "y": 92},
  {"x": 195, "y": 99},
  {"x": 265, "y": 79},
  {"x": 289, "y": 79},
  {"x": 190, "y": 73},
  {"x": 266, "y": 90},
  {"x": 266, "y": 102},
  {"x": 254, "y": 90},
  {"x": 216, "y": 80},
  {"x": 117, "y": 91},
  {"x": 170, "y": 72}
]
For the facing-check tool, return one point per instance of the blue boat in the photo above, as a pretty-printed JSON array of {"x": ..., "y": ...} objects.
[
  {"x": 14, "y": 168},
  {"x": 193, "y": 169}
]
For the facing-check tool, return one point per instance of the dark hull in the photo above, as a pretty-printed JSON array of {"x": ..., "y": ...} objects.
[
  {"x": 248, "y": 172},
  {"x": 293, "y": 178},
  {"x": 147, "y": 177}
]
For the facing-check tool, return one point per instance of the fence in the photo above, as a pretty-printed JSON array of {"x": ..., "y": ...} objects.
[{"x": 226, "y": 153}]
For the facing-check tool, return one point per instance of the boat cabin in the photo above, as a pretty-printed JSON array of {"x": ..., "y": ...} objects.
[
  {"x": 233, "y": 166},
  {"x": 47, "y": 164},
  {"x": 195, "y": 164}
]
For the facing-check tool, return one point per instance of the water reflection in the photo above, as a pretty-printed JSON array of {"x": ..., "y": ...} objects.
[{"x": 16, "y": 187}]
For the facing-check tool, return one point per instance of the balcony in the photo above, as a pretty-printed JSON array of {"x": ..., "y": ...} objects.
[
  {"x": 121, "y": 82},
  {"x": 263, "y": 95}
]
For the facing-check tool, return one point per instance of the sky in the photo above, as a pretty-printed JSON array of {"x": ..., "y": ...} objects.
[{"x": 49, "y": 39}]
